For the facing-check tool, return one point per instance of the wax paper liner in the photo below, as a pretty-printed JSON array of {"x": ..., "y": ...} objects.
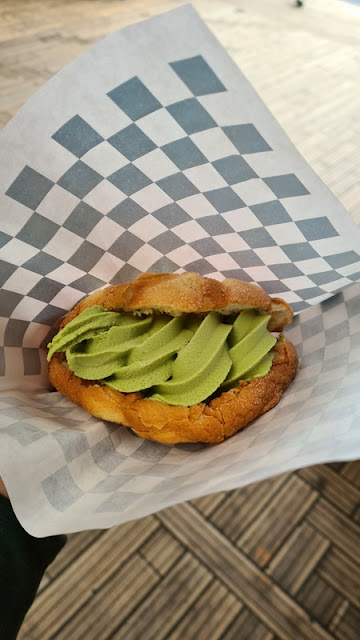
[{"x": 152, "y": 152}]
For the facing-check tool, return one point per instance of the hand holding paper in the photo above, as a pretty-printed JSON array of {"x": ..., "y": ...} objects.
[{"x": 167, "y": 162}]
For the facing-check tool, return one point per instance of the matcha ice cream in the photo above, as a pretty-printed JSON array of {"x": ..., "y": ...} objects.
[{"x": 178, "y": 361}]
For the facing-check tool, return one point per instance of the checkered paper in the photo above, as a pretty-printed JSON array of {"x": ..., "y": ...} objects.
[{"x": 166, "y": 162}]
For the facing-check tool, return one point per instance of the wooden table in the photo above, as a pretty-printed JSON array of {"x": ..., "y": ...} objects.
[{"x": 278, "y": 559}]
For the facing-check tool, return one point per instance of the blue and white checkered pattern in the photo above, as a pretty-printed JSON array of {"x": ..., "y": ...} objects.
[
  {"x": 144, "y": 201},
  {"x": 105, "y": 475}
]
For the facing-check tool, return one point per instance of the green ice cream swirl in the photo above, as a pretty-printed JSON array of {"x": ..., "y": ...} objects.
[{"x": 179, "y": 361}]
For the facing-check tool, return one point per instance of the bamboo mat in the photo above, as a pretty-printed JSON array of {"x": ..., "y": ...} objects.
[{"x": 274, "y": 560}]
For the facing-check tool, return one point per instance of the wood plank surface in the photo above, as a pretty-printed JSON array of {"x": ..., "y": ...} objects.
[
  {"x": 333, "y": 487},
  {"x": 247, "y": 627},
  {"x": 236, "y": 512},
  {"x": 168, "y": 602},
  {"x": 87, "y": 574},
  {"x": 215, "y": 609},
  {"x": 240, "y": 575},
  {"x": 319, "y": 598},
  {"x": 298, "y": 557},
  {"x": 349, "y": 626},
  {"x": 269, "y": 530},
  {"x": 123, "y": 593},
  {"x": 341, "y": 530},
  {"x": 161, "y": 551},
  {"x": 277, "y": 560},
  {"x": 342, "y": 573}
]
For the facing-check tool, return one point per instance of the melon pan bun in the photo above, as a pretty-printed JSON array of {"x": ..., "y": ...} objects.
[{"x": 174, "y": 294}]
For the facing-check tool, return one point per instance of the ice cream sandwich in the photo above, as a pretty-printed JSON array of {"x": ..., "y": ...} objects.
[{"x": 175, "y": 357}]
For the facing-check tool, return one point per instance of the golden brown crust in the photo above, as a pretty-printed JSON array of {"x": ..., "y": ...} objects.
[
  {"x": 211, "y": 423},
  {"x": 187, "y": 293}
]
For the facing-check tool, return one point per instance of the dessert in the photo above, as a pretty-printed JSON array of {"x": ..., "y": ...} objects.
[{"x": 175, "y": 357}]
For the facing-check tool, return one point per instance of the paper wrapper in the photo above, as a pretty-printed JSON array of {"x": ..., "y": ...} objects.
[{"x": 152, "y": 152}]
